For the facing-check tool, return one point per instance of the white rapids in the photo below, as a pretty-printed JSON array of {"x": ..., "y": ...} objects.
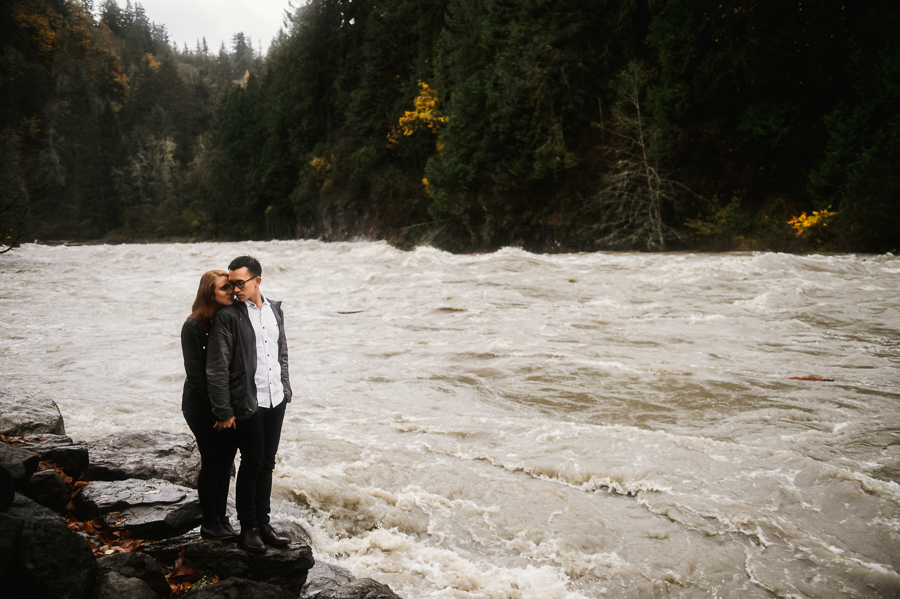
[{"x": 518, "y": 426}]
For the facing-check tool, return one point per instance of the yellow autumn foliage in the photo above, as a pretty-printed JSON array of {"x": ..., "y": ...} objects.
[
  {"x": 42, "y": 21},
  {"x": 425, "y": 116},
  {"x": 819, "y": 218},
  {"x": 320, "y": 167}
]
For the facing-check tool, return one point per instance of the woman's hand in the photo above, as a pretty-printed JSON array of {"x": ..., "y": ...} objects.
[{"x": 223, "y": 424}]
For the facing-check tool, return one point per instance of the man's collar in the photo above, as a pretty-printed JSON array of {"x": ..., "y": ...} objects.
[{"x": 265, "y": 302}]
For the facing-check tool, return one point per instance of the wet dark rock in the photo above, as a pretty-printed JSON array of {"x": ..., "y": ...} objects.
[
  {"x": 286, "y": 567},
  {"x": 242, "y": 588},
  {"x": 71, "y": 456},
  {"x": 141, "y": 485},
  {"x": 7, "y": 489},
  {"x": 362, "y": 588},
  {"x": 20, "y": 463},
  {"x": 135, "y": 565},
  {"x": 145, "y": 454},
  {"x": 10, "y": 538},
  {"x": 91, "y": 538},
  {"x": 323, "y": 577},
  {"x": 28, "y": 414},
  {"x": 50, "y": 561},
  {"x": 115, "y": 586},
  {"x": 149, "y": 509},
  {"x": 48, "y": 488},
  {"x": 292, "y": 530}
]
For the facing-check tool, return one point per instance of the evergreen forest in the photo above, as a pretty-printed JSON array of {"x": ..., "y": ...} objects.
[{"x": 564, "y": 125}]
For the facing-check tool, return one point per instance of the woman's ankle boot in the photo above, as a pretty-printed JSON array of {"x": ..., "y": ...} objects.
[
  {"x": 212, "y": 530},
  {"x": 226, "y": 525}
]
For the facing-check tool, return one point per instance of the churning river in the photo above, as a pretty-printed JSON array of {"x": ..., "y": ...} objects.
[{"x": 523, "y": 426}]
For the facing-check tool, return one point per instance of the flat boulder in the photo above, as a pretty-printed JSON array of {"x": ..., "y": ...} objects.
[
  {"x": 20, "y": 463},
  {"x": 149, "y": 509},
  {"x": 48, "y": 489},
  {"x": 361, "y": 588},
  {"x": 115, "y": 586},
  {"x": 50, "y": 561},
  {"x": 136, "y": 565},
  {"x": 24, "y": 414},
  {"x": 286, "y": 567},
  {"x": 242, "y": 588},
  {"x": 71, "y": 456},
  {"x": 145, "y": 454},
  {"x": 323, "y": 577}
]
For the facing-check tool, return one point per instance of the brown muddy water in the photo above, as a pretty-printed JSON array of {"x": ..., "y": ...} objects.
[{"x": 513, "y": 425}]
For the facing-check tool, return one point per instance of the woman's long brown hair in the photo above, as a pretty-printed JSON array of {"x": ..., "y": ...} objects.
[{"x": 205, "y": 305}]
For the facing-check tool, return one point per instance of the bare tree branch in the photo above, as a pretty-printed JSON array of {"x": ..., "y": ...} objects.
[{"x": 632, "y": 198}]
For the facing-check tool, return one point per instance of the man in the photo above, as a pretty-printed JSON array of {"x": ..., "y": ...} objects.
[{"x": 249, "y": 387}]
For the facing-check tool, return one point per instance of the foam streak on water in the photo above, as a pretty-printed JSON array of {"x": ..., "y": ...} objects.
[{"x": 514, "y": 425}]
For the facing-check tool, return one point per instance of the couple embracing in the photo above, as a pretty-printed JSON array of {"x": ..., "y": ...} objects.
[{"x": 235, "y": 394}]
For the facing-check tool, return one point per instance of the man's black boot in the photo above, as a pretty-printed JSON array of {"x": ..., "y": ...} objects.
[
  {"x": 249, "y": 540},
  {"x": 214, "y": 531},
  {"x": 270, "y": 537}
]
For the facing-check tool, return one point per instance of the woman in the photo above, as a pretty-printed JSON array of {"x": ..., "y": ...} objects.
[{"x": 217, "y": 447}]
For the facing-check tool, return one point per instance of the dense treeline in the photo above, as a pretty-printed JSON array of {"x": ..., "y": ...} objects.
[
  {"x": 101, "y": 122},
  {"x": 571, "y": 124}
]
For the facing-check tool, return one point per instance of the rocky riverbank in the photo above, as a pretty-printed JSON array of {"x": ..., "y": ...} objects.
[{"x": 117, "y": 518}]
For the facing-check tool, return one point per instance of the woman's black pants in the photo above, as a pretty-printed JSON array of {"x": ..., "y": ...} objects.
[{"x": 217, "y": 451}]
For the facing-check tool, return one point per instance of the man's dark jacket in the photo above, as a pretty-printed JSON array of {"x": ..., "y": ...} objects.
[{"x": 231, "y": 362}]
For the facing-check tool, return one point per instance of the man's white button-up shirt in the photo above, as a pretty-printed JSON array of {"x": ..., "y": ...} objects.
[{"x": 269, "y": 390}]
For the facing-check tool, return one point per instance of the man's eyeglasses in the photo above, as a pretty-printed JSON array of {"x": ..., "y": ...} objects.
[
  {"x": 240, "y": 284},
  {"x": 227, "y": 286}
]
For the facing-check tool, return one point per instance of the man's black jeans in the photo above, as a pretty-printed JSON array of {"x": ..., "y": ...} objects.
[{"x": 258, "y": 438}]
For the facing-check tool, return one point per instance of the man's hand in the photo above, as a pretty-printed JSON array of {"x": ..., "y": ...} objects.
[{"x": 221, "y": 425}]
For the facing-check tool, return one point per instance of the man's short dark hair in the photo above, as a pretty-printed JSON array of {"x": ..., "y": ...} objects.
[{"x": 252, "y": 264}]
